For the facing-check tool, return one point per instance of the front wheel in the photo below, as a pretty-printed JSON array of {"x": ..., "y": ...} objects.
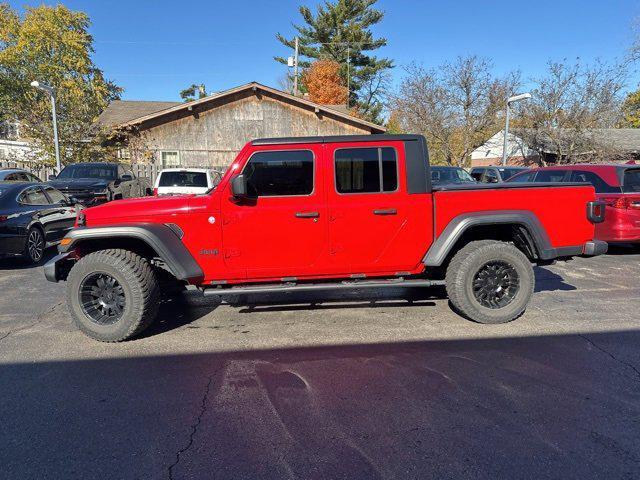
[
  {"x": 112, "y": 295},
  {"x": 490, "y": 281}
]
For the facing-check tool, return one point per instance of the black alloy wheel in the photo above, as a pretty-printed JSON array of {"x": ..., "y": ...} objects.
[
  {"x": 496, "y": 284},
  {"x": 102, "y": 298}
]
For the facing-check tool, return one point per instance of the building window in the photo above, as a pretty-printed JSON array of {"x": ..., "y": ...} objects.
[
  {"x": 123, "y": 154},
  {"x": 170, "y": 159}
]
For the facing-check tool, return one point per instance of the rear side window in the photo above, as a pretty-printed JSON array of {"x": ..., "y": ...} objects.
[
  {"x": 183, "y": 179},
  {"x": 366, "y": 170},
  {"x": 550, "y": 175},
  {"x": 631, "y": 180},
  {"x": 598, "y": 183},
  {"x": 283, "y": 173},
  {"x": 507, "y": 173}
]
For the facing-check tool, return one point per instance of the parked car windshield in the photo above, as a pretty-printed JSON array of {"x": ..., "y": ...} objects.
[
  {"x": 450, "y": 175},
  {"x": 183, "y": 179},
  {"x": 105, "y": 172},
  {"x": 631, "y": 180}
]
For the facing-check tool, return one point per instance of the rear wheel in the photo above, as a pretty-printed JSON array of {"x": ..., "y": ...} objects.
[
  {"x": 112, "y": 295},
  {"x": 490, "y": 282},
  {"x": 34, "y": 246}
]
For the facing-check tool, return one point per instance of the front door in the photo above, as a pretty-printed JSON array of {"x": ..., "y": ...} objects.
[{"x": 282, "y": 230}]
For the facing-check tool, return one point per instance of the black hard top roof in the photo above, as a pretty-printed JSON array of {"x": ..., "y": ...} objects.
[{"x": 336, "y": 139}]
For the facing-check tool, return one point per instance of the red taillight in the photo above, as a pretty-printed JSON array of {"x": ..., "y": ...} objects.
[
  {"x": 623, "y": 202},
  {"x": 155, "y": 192},
  {"x": 3, "y": 218}
]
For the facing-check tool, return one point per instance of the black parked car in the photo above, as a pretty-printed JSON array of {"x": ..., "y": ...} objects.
[
  {"x": 33, "y": 216},
  {"x": 95, "y": 183},
  {"x": 450, "y": 175}
]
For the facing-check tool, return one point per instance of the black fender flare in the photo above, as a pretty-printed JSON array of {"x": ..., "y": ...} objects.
[
  {"x": 443, "y": 244},
  {"x": 159, "y": 237}
]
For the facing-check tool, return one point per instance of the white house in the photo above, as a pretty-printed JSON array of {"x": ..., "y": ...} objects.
[
  {"x": 490, "y": 153},
  {"x": 12, "y": 147}
]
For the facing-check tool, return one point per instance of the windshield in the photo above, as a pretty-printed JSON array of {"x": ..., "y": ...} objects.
[
  {"x": 631, "y": 180},
  {"x": 105, "y": 172},
  {"x": 183, "y": 179},
  {"x": 450, "y": 175}
]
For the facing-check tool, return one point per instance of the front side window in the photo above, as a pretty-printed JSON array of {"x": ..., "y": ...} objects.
[
  {"x": 491, "y": 176},
  {"x": 366, "y": 170},
  {"x": 282, "y": 173},
  {"x": 55, "y": 195},
  {"x": 476, "y": 173},
  {"x": 33, "y": 196}
]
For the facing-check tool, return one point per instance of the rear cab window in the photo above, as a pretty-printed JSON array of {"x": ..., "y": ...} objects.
[
  {"x": 550, "y": 175},
  {"x": 366, "y": 170},
  {"x": 183, "y": 179},
  {"x": 631, "y": 180},
  {"x": 476, "y": 173}
]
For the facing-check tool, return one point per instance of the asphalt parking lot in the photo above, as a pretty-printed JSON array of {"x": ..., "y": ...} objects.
[{"x": 351, "y": 386}]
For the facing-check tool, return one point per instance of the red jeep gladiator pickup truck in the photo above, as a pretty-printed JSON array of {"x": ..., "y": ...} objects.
[{"x": 322, "y": 213}]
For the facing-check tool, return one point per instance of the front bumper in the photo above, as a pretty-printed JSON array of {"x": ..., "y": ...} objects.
[{"x": 58, "y": 267}]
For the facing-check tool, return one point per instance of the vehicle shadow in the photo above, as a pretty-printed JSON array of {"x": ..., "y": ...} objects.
[
  {"x": 548, "y": 281},
  {"x": 623, "y": 249},
  {"x": 19, "y": 263}
]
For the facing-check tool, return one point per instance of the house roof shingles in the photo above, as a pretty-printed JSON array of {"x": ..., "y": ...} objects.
[{"x": 123, "y": 111}]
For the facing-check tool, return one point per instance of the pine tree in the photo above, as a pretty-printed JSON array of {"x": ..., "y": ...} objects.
[{"x": 340, "y": 31}]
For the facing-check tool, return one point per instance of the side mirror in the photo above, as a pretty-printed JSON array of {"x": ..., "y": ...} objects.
[
  {"x": 126, "y": 178},
  {"x": 52, "y": 177},
  {"x": 239, "y": 186}
]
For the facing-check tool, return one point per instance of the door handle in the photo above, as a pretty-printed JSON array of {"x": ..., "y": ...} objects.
[
  {"x": 307, "y": 214},
  {"x": 387, "y": 211}
]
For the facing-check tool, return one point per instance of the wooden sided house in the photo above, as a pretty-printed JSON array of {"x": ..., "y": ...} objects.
[{"x": 209, "y": 132}]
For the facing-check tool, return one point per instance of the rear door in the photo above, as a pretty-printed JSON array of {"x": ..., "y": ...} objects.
[
  {"x": 282, "y": 231},
  {"x": 375, "y": 227}
]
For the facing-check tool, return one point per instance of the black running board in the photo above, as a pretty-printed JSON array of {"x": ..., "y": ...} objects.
[{"x": 306, "y": 287}]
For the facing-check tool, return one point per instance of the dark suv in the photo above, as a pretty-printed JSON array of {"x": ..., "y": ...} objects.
[{"x": 95, "y": 183}]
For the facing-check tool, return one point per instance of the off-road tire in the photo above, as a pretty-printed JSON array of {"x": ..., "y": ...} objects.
[
  {"x": 463, "y": 268},
  {"x": 140, "y": 286}
]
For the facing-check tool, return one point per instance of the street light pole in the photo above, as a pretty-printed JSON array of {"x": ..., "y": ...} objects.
[
  {"x": 510, "y": 100},
  {"x": 51, "y": 92}
]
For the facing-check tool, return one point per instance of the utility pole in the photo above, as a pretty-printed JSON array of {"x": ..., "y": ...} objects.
[
  {"x": 348, "y": 73},
  {"x": 52, "y": 94},
  {"x": 295, "y": 69},
  {"x": 510, "y": 100}
]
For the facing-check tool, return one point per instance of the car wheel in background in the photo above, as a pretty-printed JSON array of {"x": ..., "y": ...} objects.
[
  {"x": 34, "y": 245},
  {"x": 490, "y": 281}
]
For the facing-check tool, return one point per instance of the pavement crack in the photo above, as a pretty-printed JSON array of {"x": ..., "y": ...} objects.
[
  {"x": 603, "y": 350},
  {"x": 194, "y": 426},
  {"x": 5, "y": 335}
]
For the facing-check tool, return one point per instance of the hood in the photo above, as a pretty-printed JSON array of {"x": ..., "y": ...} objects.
[
  {"x": 136, "y": 209},
  {"x": 78, "y": 183}
]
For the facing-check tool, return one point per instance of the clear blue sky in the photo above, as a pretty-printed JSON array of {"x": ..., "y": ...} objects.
[{"x": 155, "y": 48}]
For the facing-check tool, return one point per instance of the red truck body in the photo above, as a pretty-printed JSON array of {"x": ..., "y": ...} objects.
[
  {"x": 265, "y": 240},
  {"x": 324, "y": 213}
]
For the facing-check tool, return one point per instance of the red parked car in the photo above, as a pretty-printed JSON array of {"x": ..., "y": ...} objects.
[
  {"x": 322, "y": 213},
  {"x": 618, "y": 186}
]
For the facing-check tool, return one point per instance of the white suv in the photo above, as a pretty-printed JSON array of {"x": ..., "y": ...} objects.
[{"x": 180, "y": 181}]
